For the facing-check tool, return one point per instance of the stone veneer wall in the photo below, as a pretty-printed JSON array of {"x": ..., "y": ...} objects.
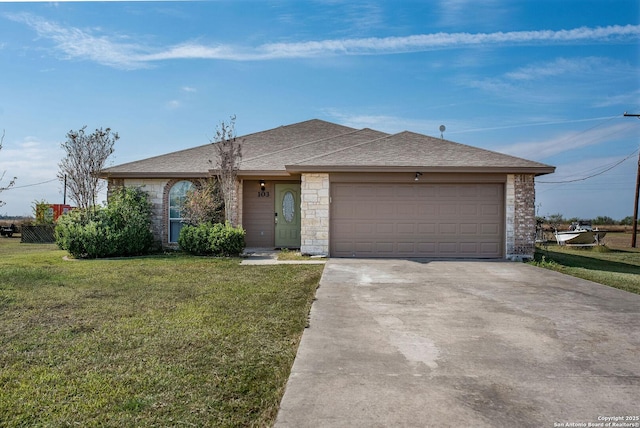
[
  {"x": 314, "y": 211},
  {"x": 520, "y": 216}
]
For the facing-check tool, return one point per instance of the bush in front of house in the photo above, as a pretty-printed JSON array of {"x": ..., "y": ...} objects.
[
  {"x": 122, "y": 228},
  {"x": 212, "y": 239}
]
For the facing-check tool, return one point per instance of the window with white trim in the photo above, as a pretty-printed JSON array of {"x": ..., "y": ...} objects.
[{"x": 177, "y": 196}]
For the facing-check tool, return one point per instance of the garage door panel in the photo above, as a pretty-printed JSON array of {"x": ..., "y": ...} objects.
[
  {"x": 489, "y": 247},
  {"x": 447, "y": 192},
  {"x": 404, "y": 192},
  {"x": 406, "y": 248},
  {"x": 426, "y": 192},
  {"x": 491, "y": 229},
  {"x": 490, "y": 210},
  {"x": 417, "y": 220},
  {"x": 469, "y": 209},
  {"x": 343, "y": 247},
  {"x": 426, "y": 210},
  {"x": 447, "y": 228},
  {"x": 447, "y": 209},
  {"x": 385, "y": 228},
  {"x": 344, "y": 211},
  {"x": 448, "y": 248},
  {"x": 426, "y": 228},
  {"x": 468, "y": 229},
  {"x": 406, "y": 210},
  {"x": 366, "y": 210},
  {"x": 470, "y": 191},
  {"x": 365, "y": 248},
  {"x": 384, "y": 247},
  {"x": 341, "y": 228},
  {"x": 382, "y": 210},
  {"x": 382, "y": 192},
  {"x": 406, "y": 228},
  {"x": 428, "y": 249},
  {"x": 364, "y": 229},
  {"x": 489, "y": 191},
  {"x": 469, "y": 248}
]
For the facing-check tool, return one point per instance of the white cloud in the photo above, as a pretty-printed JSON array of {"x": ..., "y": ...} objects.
[
  {"x": 630, "y": 99},
  {"x": 30, "y": 160},
  {"x": 569, "y": 141},
  {"x": 560, "y": 76},
  {"x": 388, "y": 123},
  {"x": 75, "y": 43},
  {"x": 560, "y": 66},
  {"x": 188, "y": 89},
  {"x": 121, "y": 52}
]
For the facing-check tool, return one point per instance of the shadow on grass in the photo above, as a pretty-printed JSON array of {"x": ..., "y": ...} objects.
[{"x": 587, "y": 262}]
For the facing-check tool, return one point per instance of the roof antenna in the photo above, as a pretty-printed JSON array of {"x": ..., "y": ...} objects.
[{"x": 442, "y": 129}]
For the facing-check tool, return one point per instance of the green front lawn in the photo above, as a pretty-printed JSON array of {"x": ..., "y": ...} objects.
[
  {"x": 619, "y": 268},
  {"x": 169, "y": 340}
]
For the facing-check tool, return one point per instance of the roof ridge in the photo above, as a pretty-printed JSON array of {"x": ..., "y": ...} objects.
[
  {"x": 307, "y": 143},
  {"x": 346, "y": 148},
  {"x": 292, "y": 124},
  {"x": 473, "y": 147},
  {"x": 211, "y": 142}
]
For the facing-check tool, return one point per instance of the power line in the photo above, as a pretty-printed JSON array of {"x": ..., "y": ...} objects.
[
  {"x": 592, "y": 175},
  {"x": 529, "y": 124},
  {"x": 27, "y": 185}
]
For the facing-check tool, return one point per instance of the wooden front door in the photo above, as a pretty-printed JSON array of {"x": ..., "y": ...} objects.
[{"x": 287, "y": 216}]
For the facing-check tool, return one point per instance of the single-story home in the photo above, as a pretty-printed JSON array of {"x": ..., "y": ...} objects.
[{"x": 333, "y": 190}]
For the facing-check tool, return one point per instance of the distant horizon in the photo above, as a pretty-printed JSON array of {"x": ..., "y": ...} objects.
[{"x": 533, "y": 79}]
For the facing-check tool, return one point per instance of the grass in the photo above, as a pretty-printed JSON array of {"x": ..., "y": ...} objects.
[
  {"x": 615, "y": 267},
  {"x": 168, "y": 340},
  {"x": 286, "y": 254}
]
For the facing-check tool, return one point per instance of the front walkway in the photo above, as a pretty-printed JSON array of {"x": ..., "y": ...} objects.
[{"x": 268, "y": 256}]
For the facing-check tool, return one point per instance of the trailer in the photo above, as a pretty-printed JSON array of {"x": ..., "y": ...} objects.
[{"x": 8, "y": 231}]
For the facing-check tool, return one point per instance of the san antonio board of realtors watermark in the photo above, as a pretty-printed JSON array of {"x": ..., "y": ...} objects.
[{"x": 604, "y": 422}]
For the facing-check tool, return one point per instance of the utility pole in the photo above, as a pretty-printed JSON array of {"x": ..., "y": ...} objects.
[{"x": 634, "y": 233}]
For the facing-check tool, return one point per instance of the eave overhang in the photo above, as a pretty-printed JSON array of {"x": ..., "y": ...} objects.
[
  {"x": 107, "y": 175},
  {"x": 542, "y": 170}
]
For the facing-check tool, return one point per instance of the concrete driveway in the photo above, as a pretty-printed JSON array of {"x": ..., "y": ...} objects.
[{"x": 397, "y": 343}]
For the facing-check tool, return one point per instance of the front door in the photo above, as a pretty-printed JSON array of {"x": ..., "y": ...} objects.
[{"x": 287, "y": 215}]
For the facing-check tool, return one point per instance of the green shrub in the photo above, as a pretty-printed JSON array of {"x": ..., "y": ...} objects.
[
  {"x": 123, "y": 228},
  {"x": 212, "y": 239},
  {"x": 195, "y": 239}
]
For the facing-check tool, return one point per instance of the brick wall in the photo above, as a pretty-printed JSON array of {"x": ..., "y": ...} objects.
[
  {"x": 314, "y": 209},
  {"x": 520, "y": 216},
  {"x": 158, "y": 191}
]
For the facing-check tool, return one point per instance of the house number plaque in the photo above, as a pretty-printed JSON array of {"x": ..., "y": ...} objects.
[{"x": 263, "y": 194}]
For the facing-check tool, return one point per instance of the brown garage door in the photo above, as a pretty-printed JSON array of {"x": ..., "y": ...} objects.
[{"x": 417, "y": 220}]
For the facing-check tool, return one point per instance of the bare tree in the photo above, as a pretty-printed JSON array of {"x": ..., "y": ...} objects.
[
  {"x": 229, "y": 155},
  {"x": 85, "y": 156},
  {"x": 12, "y": 182},
  {"x": 204, "y": 204}
]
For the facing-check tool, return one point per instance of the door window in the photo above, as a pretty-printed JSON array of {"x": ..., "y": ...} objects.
[{"x": 288, "y": 207}]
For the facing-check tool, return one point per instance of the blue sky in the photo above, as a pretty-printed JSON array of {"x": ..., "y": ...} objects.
[{"x": 544, "y": 80}]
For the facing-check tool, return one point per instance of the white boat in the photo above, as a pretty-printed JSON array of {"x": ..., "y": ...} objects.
[{"x": 580, "y": 233}]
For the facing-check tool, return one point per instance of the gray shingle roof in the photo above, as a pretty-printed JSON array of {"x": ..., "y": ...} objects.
[
  {"x": 316, "y": 145},
  {"x": 411, "y": 150}
]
